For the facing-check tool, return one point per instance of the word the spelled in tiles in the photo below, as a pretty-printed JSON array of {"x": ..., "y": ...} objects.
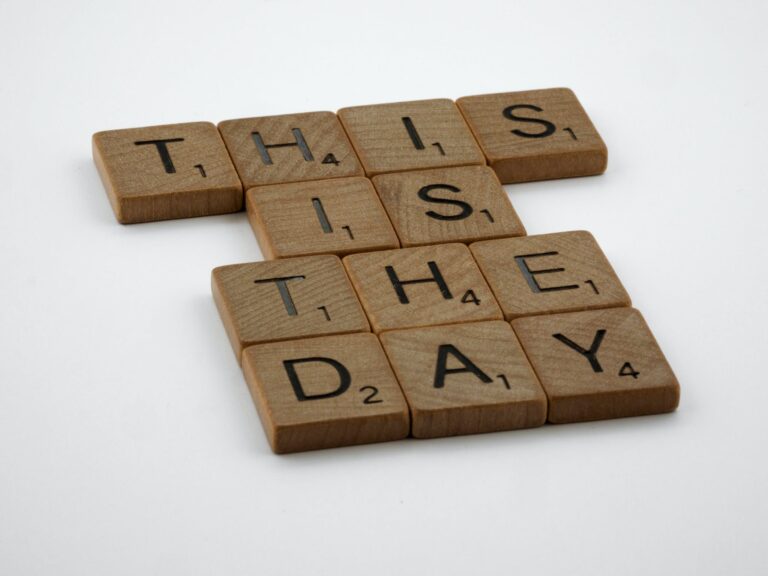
[{"x": 401, "y": 295}]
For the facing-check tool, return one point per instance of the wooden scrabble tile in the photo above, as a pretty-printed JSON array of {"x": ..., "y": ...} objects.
[
  {"x": 465, "y": 379},
  {"x": 549, "y": 273},
  {"x": 338, "y": 216},
  {"x": 165, "y": 172},
  {"x": 441, "y": 205},
  {"x": 422, "y": 286},
  {"x": 286, "y": 299},
  {"x": 289, "y": 148},
  {"x": 325, "y": 392},
  {"x": 598, "y": 364},
  {"x": 535, "y": 135},
  {"x": 410, "y": 136}
]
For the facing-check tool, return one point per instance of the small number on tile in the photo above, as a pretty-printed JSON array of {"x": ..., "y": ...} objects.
[{"x": 373, "y": 393}]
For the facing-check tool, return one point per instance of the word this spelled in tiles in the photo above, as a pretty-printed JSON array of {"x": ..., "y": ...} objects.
[{"x": 401, "y": 295}]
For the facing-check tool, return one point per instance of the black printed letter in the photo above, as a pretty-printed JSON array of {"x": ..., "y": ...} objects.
[
  {"x": 300, "y": 142},
  {"x": 466, "y": 209},
  {"x": 590, "y": 354},
  {"x": 437, "y": 278},
  {"x": 549, "y": 128},
  {"x": 468, "y": 366},
  {"x": 529, "y": 274},
  {"x": 344, "y": 378},
  {"x": 162, "y": 149},
  {"x": 282, "y": 287}
]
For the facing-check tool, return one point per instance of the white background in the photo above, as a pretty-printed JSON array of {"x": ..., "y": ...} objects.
[{"x": 128, "y": 441}]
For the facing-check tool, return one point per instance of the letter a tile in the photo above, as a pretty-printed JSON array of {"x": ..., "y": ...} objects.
[
  {"x": 325, "y": 392},
  {"x": 598, "y": 364},
  {"x": 289, "y": 148},
  {"x": 465, "y": 379},
  {"x": 165, "y": 172},
  {"x": 535, "y": 135},
  {"x": 286, "y": 299},
  {"x": 423, "y": 286},
  {"x": 549, "y": 273}
]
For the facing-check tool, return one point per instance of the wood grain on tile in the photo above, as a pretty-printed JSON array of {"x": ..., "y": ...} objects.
[
  {"x": 465, "y": 379},
  {"x": 598, "y": 364},
  {"x": 410, "y": 136},
  {"x": 289, "y": 148},
  {"x": 535, "y": 135},
  {"x": 286, "y": 299},
  {"x": 325, "y": 392},
  {"x": 338, "y": 216},
  {"x": 549, "y": 273},
  {"x": 166, "y": 172},
  {"x": 422, "y": 286},
  {"x": 461, "y": 204}
]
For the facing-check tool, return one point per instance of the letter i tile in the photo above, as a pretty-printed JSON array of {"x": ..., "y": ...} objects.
[{"x": 325, "y": 392}]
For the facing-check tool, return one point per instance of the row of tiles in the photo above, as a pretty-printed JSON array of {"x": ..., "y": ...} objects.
[
  {"x": 197, "y": 169},
  {"x": 385, "y": 290},
  {"x": 458, "y": 379}
]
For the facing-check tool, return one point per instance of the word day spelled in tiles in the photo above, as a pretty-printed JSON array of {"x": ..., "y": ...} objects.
[
  {"x": 421, "y": 286},
  {"x": 549, "y": 273},
  {"x": 325, "y": 392},
  {"x": 289, "y": 148},
  {"x": 598, "y": 364},
  {"x": 337, "y": 216},
  {"x": 535, "y": 135},
  {"x": 164, "y": 172},
  {"x": 285, "y": 299},
  {"x": 465, "y": 379},
  {"x": 461, "y": 204},
  {"x": 410, "y": 136}
]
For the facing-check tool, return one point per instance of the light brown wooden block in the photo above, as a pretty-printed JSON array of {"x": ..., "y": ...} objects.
[
  {"x": 465, "y": 379},
  {"x": 549, "y": 273},
  {"x": 535, "y": 135},
  {"x": 285, "y": 299},
  {"x": 410, "y": 136},
  {"x": 598, "y": 364},
  {"x": 422, "y": 286},
  {"x": 165, "y": 172},
  {"x": 338, "y": 216},
  {"x": 461, "y": 204},
  {"x": 289, "y": 148},
  {"x": 325, "y": 392}
]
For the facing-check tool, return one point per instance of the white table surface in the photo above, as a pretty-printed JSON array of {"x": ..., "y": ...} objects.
[{"x": 129, "y": 444}]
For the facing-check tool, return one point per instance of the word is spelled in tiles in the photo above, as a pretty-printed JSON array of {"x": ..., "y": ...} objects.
[{"x": 401, "y": 295}]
